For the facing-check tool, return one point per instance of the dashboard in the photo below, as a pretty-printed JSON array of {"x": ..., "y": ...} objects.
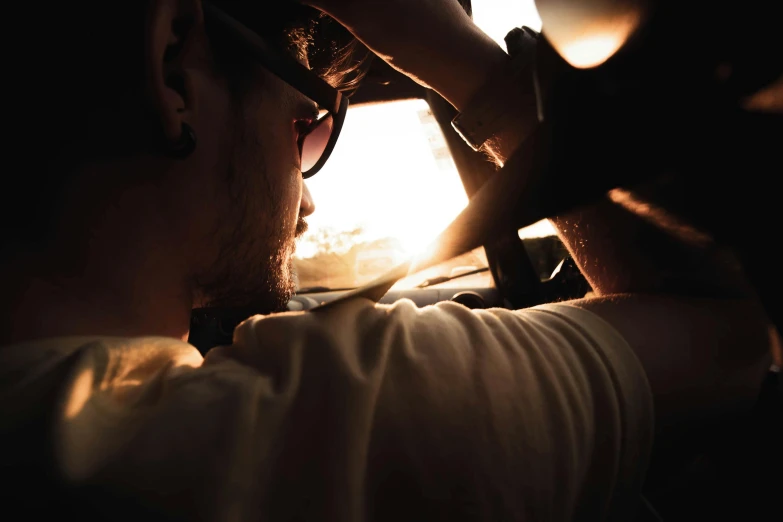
[{"x": 470, "y": 297}]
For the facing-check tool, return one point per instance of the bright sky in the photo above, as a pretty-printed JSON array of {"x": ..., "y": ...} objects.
[
  {"x": 383, "y": 176},
  {"x": 390, "y": 172},
  {"x": 498, "y": 17}
]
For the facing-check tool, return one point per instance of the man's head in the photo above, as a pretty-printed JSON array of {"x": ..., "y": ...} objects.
[{"x": 108, "y": 204}]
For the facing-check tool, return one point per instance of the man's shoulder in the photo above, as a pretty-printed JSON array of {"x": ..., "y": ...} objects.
[{"x": 28, "y": 368}]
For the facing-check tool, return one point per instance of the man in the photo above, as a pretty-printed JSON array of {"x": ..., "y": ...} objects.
[{"x": 183, "y": 187}]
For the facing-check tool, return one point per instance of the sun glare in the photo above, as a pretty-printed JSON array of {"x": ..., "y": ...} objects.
[
  {"x": 390, "y": 176},
  {"x": 498, "y": 17},
  {"x": 589, "y": 32},
  {"x": 595, "y": 46}
]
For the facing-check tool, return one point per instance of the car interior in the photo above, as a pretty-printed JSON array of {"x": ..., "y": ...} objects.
[{"x": 638, "y": 108}]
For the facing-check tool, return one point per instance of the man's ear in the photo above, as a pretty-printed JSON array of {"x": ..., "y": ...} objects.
[{"x": 173, "y": 30}]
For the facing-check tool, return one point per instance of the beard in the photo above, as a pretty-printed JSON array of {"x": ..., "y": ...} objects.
[{"x": 253, "y": 271}]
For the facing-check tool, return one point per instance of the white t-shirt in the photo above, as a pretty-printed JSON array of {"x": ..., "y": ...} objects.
[{"x": 360, "y": 412}]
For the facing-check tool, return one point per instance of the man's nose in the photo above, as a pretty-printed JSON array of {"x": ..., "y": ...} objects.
[{"x": 306, "y": 206}]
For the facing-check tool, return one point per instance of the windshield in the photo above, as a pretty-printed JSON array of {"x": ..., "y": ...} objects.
[
  {"x": 391, "y": 186},
  {"x": 388, "y": 189},
  {"x": 498, "y": 17}
]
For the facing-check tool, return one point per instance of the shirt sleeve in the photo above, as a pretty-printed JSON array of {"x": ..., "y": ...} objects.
[{"x": 367, "y": 412}]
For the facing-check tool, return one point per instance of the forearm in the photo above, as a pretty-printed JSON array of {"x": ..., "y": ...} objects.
[
  {"x": 434, "y": 42},
  {"x": 619, "y": 251},
  {"x": 503, "y": 97}
]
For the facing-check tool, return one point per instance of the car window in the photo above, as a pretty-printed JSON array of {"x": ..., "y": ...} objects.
[
  {"x": 543, "y": 247},
  {"x": 498, "y": 17},
  {"x": 389, "y": 188}
]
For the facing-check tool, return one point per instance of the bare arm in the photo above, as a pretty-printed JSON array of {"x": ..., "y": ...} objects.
[{"x": 621, "y": 252}]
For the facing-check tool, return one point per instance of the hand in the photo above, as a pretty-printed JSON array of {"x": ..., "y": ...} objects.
[{"x": 432, "y": 41}]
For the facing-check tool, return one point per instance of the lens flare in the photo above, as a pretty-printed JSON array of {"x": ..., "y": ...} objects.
[{"x": 586, "y": 33}]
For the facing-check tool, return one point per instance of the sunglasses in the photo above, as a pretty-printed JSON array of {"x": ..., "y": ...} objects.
[{"x": 316, "y": 141}]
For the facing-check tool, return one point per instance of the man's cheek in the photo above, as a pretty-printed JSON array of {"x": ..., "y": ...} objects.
[{"x": 289, "y": 194}]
